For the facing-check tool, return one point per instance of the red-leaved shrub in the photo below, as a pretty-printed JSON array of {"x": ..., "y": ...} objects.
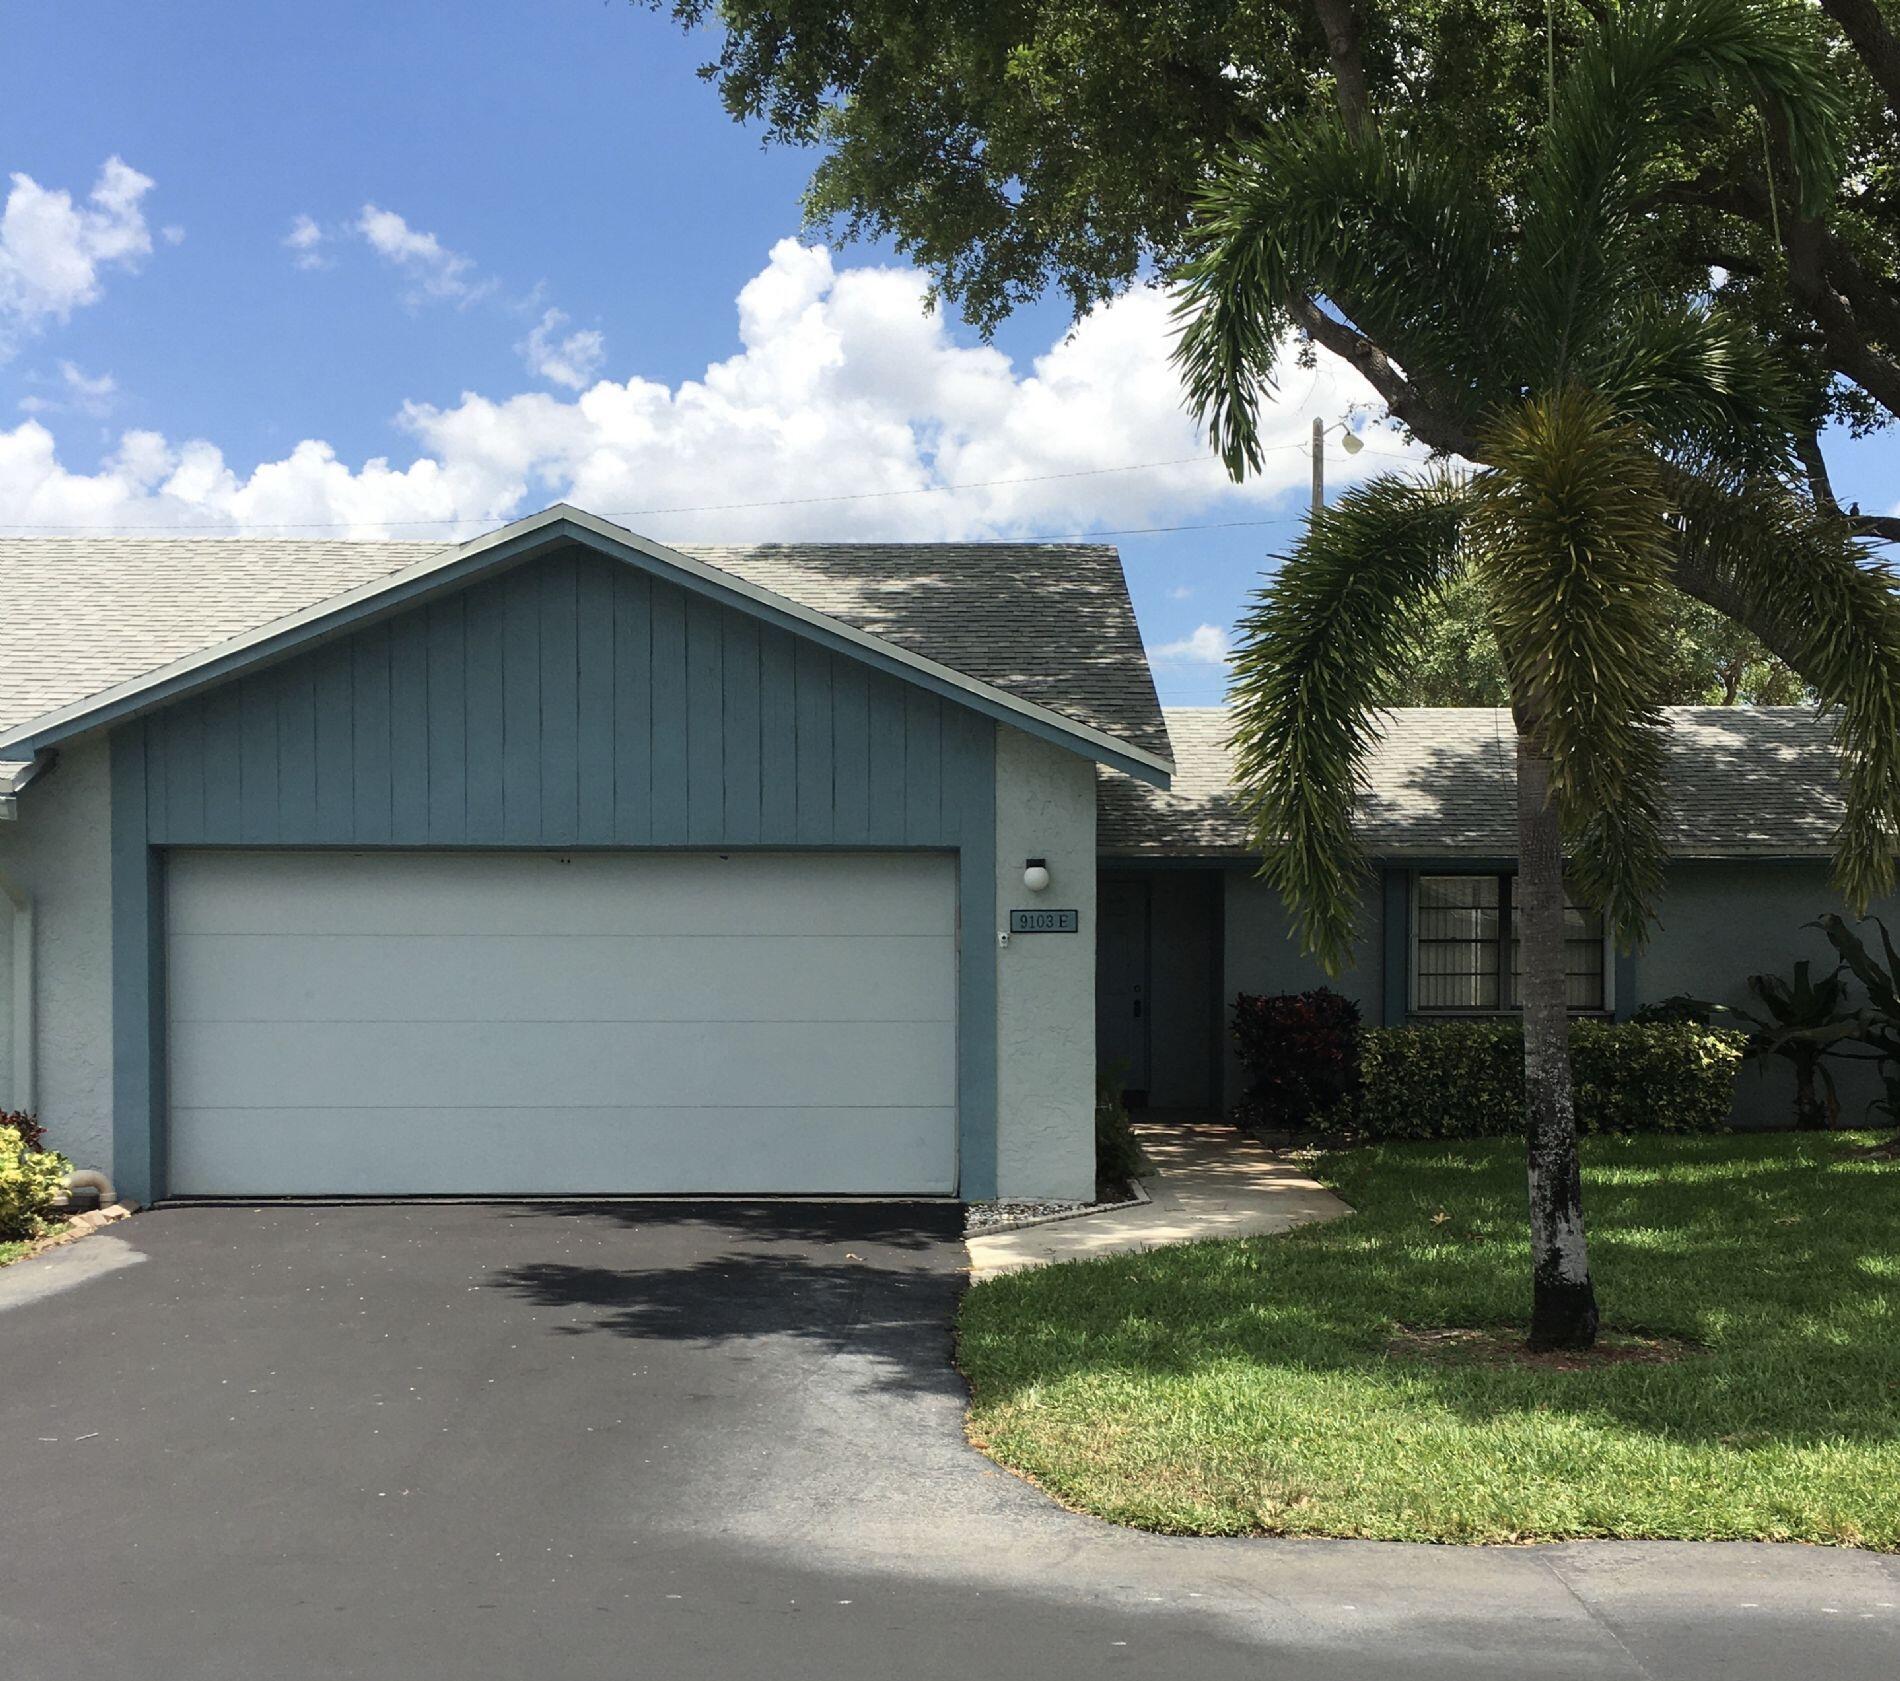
[
  {"x": 1301, "y": 1051},
  {"x": 32, "y": 1134}
]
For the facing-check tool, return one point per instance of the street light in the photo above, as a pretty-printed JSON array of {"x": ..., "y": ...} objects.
[{"x": 1350, "y": 442}]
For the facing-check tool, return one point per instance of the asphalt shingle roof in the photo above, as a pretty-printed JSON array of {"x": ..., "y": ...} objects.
[
  {"x": 1048, "y": 623},
  {"x": 1743, "y": 781}
]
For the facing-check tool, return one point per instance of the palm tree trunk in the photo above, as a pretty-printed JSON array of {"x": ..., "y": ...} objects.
[{"x": 1563, "y": 1304}]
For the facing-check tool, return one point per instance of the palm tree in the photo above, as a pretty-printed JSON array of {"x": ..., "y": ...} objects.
[{"x": 1622, "y": 436}]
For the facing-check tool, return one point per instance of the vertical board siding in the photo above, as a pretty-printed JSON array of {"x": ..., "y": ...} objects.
[
  {"x": 571, "y": 702},
  {"x": 483, "y": 637},
  {"x": 560, "y": 702},
  {"x": 409, "y": 724},
  {"x": 446, "y": 737},
  {"x": 369, "y": 675},
  {"x": 521, "y": 744},
  {"x": 633, "y": 706},
  {"x": 705, "y": 723},
  {"x": 594, "y": 700}
]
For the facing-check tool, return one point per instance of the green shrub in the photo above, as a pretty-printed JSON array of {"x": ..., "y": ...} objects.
[
  {"x": 1118, "y": 1156},
  {"x": 29, "y": 1180},
  {"x": 1466, "y": 1079}
]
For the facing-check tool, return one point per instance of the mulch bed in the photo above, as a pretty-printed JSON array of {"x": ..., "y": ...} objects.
[{"x": 1503, "y": 1345}]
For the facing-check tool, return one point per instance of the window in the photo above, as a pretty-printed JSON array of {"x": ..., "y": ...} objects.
[{"x": 1462, "y": 926}]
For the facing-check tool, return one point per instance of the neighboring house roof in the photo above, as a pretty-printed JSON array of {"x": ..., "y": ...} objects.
[
  {"x": 1742, "y": 781},
  {"x": 1048, "y": 626}
]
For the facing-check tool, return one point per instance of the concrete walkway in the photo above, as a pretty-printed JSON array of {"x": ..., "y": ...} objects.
[{"x": 1211, "y": 1182}]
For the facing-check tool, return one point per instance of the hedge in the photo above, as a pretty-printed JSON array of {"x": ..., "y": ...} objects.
[{"x": 1466, "y": 1079}]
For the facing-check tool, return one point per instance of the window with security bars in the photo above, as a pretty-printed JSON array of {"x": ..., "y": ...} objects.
[{"x": 1466, "y": 956}]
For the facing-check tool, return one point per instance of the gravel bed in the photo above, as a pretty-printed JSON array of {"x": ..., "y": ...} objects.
[{"x": 980, "y": 1217}]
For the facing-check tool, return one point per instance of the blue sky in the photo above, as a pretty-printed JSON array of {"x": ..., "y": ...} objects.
[{"x": 527, "y": 233}]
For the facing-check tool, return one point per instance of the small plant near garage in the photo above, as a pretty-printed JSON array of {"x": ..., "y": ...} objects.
[{"x": 31, "y": 1178}]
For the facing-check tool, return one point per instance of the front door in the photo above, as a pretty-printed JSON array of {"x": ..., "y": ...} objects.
[{"x": 1121, "y": 984}]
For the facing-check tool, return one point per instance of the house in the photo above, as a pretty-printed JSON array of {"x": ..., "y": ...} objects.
[
  {"x": 1185, "y": 923},
  {"x": 559, "y": 861},
  {"x": 564, "y": 861}
]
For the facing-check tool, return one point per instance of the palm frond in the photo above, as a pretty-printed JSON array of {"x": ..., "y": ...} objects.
[
  {"x": 1571, "y": 539},
  {"x": 1696, "y": 378},
  {"x": 1320, "y": 652},
  {"x": 1315, "y": 210},
  {"x": 1800, "y": 580}
]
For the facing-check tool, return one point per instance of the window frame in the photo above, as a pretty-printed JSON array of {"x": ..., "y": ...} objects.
[{"x": 1507, "y": 901}]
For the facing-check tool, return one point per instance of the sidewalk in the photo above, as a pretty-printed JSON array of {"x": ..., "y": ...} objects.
[{"x": 1211, "y": 1182}]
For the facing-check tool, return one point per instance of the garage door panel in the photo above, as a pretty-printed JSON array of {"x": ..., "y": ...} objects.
[
  {"x": 477, "y": 977},
  {"x": 449, "y": 1152},
  {"x": 554, "y": 1065},
  {"x": 363, "y": 1023},
  {"x": 397, "y": 893}
]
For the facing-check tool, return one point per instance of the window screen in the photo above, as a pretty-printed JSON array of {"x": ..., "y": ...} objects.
[
  {"x": 1458, "y": 942},
  {"x": 1461, "y": 962}
]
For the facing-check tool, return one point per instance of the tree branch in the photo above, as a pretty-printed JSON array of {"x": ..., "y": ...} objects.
[
  {"x": 1430, "y": 421},
  {"x": 1866, "y": 29},
  {"x": 1349, "y": 70},
  {"x": 1807, "y": 446}
]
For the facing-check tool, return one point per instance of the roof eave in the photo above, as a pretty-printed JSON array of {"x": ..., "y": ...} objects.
[{"x": 514, "y": 543}]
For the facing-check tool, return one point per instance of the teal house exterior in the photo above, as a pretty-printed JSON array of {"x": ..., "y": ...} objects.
[
  {"x": 561, "y": 862},
  {"x": 567, "y": 863}
]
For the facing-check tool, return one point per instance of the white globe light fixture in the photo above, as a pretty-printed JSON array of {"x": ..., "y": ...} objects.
[{"x": 1035, "y": 874}]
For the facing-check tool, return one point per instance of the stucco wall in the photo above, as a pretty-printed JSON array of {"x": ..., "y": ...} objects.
[
  {"x": 56, "y": 851},
  {"x": 1045, "y": 983},
  {"x": 1263, "y": 956},
  {"x": 1721, "y": 923}
]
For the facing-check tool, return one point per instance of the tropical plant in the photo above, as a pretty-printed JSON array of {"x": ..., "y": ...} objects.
[
  {"x": 1623, "y": 437},
  {"x": 1803, "y": 1022},
  {"x": 1878, "y": 1020}
]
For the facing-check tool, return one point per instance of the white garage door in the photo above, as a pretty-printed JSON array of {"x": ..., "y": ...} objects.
[{"x": 510, "y": 1023}]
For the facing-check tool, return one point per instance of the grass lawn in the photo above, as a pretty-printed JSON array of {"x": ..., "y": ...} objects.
[
  {"x": 1279, "y": 1385},
  {"x": 12, "y": 1251}
]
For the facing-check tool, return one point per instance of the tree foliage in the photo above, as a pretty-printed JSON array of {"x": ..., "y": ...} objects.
[
  {"x": 1015, "y": 148},
  {"x": 1707, "y": 659}
]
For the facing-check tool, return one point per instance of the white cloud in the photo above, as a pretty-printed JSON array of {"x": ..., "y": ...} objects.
[
  {"x": 80, "y": 393},
  {"x": 52, "y": 250},
  {"x": 1181, "y": 592},
  {"x": 305, "y": 243},
  {"x": 172, "y": 234},
  {"x": 844, "y": 387},
  {"x": 1207, "y": 645},
  {"x": 437, "y": 271},
  {"x": 572, "y": 361}
]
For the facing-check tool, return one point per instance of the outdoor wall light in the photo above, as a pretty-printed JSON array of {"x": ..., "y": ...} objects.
[{"x": 1035, "y": 874}]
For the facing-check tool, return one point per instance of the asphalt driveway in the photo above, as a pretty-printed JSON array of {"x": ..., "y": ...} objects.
[{"x": 692, "y": 1440}]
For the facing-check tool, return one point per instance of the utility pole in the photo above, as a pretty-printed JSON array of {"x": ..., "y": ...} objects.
[{"x": 1319, "y": 464}]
